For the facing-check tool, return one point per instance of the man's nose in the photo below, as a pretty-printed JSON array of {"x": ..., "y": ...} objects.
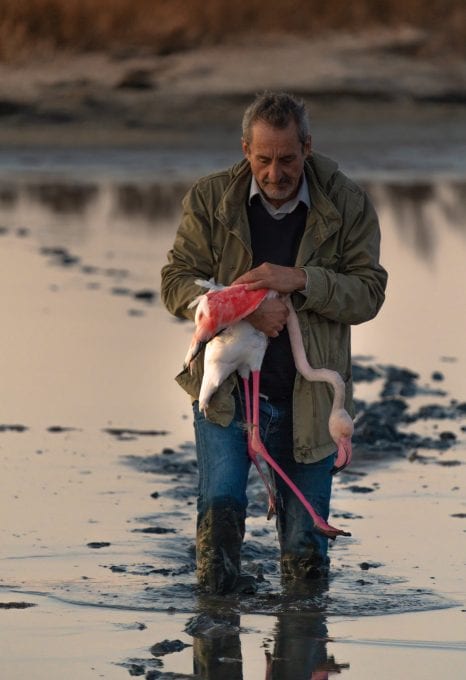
[{"x": 275, "y": 173}]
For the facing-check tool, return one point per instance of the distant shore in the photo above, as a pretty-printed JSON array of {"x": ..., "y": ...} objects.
[{"x": 181, "y": 98}]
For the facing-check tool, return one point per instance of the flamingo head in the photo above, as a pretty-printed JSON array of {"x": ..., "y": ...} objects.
[
  {"x": 344, "y": 454},
  {"x": 206, "y": 328},
  {"x": 341, "y": 429}
]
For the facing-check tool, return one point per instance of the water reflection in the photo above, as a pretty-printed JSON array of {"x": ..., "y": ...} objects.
[
  {"x": 418, "y": 211},
  {"x": 298, "y": 650},
  {"x": 149, "y": 202},
  {"x": 63, "y": 198}
]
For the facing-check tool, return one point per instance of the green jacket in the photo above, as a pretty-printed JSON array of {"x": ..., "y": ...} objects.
[{"x": 340, "y": 252}]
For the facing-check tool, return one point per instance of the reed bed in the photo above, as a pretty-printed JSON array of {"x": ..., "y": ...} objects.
[{"x": 30, "y": 27}]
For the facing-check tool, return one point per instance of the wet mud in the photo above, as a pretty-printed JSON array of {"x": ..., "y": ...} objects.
[{"x": 147, "y": 565}]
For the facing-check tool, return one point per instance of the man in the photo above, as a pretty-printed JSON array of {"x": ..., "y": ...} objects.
[{"x": 284, "y": 218}]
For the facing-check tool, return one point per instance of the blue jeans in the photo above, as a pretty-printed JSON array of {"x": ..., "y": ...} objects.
[{"x": 224, "y": 464}]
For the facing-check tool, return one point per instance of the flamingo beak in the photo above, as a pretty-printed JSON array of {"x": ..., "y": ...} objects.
[{"x": 344, "y": 455}]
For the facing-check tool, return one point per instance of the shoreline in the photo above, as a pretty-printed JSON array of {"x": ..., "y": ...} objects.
[{"x": 187, "y": 97}]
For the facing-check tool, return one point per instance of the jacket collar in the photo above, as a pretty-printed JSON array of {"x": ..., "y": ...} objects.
[{"x": 323, "y": 218}]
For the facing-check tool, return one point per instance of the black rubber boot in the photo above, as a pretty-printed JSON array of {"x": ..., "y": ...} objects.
[{"x": 220, "y": 533}]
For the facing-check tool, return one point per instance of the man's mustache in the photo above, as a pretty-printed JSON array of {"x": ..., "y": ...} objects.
[{"x": 282, "y": 182}]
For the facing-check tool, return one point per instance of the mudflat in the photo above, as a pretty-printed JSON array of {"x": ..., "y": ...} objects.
[{"x": 98, "y": 484}]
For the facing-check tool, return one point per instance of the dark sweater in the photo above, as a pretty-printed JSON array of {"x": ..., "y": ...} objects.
[{"x": 276, "y": 241}]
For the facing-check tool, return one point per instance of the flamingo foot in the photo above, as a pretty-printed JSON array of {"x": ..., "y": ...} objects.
[
  {"x": 344, "y": 455},
  {"x": 320, "y": 525},
  {"x": 326, "y": 529}
]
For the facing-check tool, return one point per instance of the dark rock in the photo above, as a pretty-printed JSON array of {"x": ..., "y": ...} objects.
[
  {"x": 145, "y": 295},
  {"x": 122, "y": 432},
  {"x": 447, "y": 436},
  {"x": 354, "y": 488},
  {"x": 377, "y": 424},
  {"x": 13, "y": 428},
  {"x": 139, "y": 667},
  {"x": 16, "y": 605},
  {"x": 437, "y": 375},
  {"x": 120, "y": 291},
  {"x": 61, "y": 256},
  {"x": 57, "y": 429},
  {"x": 155, "y": 530},
  {"x": 364, "y": 373},
  {"x": 365, "y": 566},
  {"x": 435, "y": 412},
  {"x": 168, "y": 647},
  {"x": 98, "y": 544}
]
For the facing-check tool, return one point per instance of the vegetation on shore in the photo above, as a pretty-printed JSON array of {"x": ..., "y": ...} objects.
[{"x": 35, "y": 27}]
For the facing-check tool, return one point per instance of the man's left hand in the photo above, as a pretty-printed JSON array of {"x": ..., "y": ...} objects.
[{"x": 274, "y": 276}]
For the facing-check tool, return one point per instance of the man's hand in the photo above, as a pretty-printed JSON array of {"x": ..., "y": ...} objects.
[
  {"x": 274, "y": 276},
  {"x": 269, "y": 317}
]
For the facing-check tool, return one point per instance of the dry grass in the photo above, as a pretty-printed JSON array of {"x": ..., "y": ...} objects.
[{"x": 30, "y": 27}]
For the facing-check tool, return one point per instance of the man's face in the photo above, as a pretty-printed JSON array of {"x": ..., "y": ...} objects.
[{"x": 277, "y": 160}]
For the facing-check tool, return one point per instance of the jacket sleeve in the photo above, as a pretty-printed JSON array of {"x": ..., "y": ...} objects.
[
  {"x": 355, "y": 290},
  {"x": 189, "y": 259}
]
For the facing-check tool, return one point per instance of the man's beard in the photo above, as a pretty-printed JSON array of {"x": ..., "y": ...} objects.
[{"x": 278, "y": 192}]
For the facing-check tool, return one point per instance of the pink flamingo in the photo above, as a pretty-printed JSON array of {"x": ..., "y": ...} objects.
[{"x": 241, "y": 347}]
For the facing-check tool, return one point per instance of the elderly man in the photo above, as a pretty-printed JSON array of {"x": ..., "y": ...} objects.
[{"x": 284, "y": 218}]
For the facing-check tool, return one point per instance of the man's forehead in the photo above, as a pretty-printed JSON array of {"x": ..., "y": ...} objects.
[{"x": 265, "y": 138}]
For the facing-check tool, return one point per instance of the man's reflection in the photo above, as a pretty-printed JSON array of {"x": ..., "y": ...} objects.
[
  {"x": 300, "y": 649},
  {"x": 300, "y": 640},
  {"x": 217, "y": 645}
]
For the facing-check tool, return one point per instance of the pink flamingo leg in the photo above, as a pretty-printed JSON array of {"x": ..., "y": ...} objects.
[
  {"x": 258, "y": 448},
  {"x": 252, "y": 454}
]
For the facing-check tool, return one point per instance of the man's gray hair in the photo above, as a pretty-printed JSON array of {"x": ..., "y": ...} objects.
[{"x": 276, "y": 109}]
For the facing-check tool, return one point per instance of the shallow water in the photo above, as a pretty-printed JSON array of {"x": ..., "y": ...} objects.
[{"x": 98, "y": 474}]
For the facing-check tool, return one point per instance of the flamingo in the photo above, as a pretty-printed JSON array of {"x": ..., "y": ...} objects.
[{"x": 234, "y": 344}]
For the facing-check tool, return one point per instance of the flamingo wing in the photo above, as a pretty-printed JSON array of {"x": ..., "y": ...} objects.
[{"x": 231, "y": 304}]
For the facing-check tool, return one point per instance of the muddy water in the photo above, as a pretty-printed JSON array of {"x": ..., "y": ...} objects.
[{"x": 98, "y": 474}]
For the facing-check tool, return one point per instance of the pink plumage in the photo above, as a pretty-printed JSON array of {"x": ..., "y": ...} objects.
[{"x": 241, "y": 347}]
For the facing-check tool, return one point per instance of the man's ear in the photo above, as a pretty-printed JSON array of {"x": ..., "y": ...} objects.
[{"x": 245, "y": 147}]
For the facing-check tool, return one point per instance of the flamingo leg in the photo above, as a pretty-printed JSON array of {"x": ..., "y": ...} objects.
[
  {"x": 258, "y": 448},
  {"x": 252, "y": 454}
]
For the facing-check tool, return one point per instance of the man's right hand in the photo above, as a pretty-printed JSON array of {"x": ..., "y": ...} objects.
[{"x": 270, "y": 317}]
